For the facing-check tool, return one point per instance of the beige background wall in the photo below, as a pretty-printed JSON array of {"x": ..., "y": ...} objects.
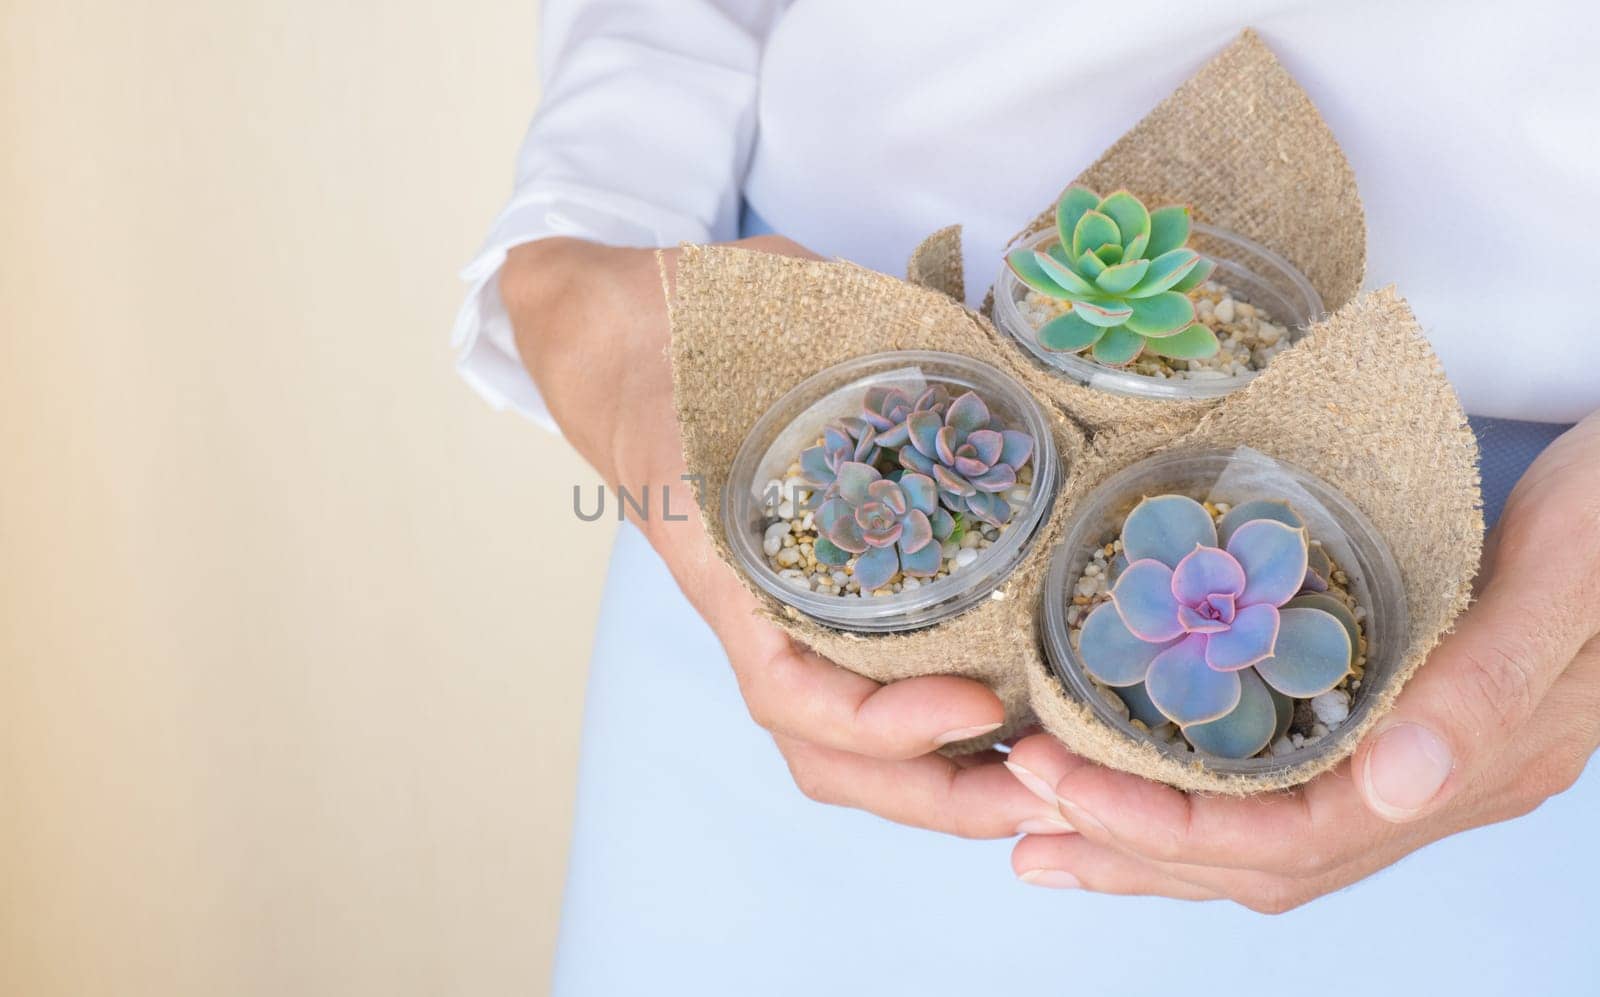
[{"x": 292, "y": 628}]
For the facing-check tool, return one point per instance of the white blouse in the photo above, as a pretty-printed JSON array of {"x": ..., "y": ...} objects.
[{"x": 858, "y": 128}]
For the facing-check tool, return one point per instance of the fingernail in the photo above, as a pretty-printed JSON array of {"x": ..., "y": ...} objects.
[
  {"x": 964, "y": 733},
  {"x": 1405, "y": 769},
  {"x": 1055, "y": 879},
  {"x": 1045, "y": 825},
  {"x": 1081, "y": 818},
  {"x": 1035, "y": 784}
]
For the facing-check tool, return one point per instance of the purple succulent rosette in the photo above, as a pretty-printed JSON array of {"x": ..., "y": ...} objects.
[
  {"x": 893, "y": 526},
  {"x": 891, "y": 484},
  {"x": 969, "y": 455},
  {"x": 1216, "y": 626}
]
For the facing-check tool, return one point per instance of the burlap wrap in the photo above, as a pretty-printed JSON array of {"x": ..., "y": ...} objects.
[
  {"x": 1361, "y": 401},
  {"x": 1242, "y": 144}
]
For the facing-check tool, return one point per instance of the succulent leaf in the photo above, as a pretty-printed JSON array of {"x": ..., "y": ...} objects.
[
  {"x": 1185, "y": 689},
  {"x": 1245, "y": 730},
  {"x": 853, "y": 480},
  {"x": 989, "y": 507},
  {"x": 1025, "y": 264},
  {"x": 1311, "y": 656},
  {"x": 1143, "y": 598},
  {"x": 1119, "y": 279},
  {"x": 1160, "y": 314},
  {"x": 1167, "y": 528},
  {"x": 1247, "y": 641},
  {"x": 1090, "y": 265},
  {"x": 1064, "y": 276},
  {"x": 1095, "y": 231},
  {"x": 1204, "y": 572},
  {"x": 1111, "y": 652},
  {"x": 1130, "y": 214},
  {"x": 1194, "y": 343},
  {"x": 1103, "y": 312},
  {"x": 1244, "y": 512},
  {"x": 830, "y": 553},
  {"x": 876, "y": 567},
  {"x": 1333, "y": 607},
  {"x": 1165, "y": 271},
  {"x": 1274, "y": 559},
  {"x": 1199, "y": 275},
  {"x": 1069, "y": 333},
  {"x": 1169, "y": 229},
  {"x": 924, "y": 561},
  {"x": 1140, "y": 707},
  {"x": 1075, "y": 202},
  {"x": 1118, "y": 346},
  {"x": 967, "y": 413},
  {"x": 1318, "y": 569}
]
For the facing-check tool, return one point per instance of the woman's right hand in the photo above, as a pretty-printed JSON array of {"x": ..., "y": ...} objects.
[{"x": 591, "y": 325}]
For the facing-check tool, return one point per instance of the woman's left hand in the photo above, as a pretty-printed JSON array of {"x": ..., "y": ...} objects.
[{"x": 1504, "y": 715}]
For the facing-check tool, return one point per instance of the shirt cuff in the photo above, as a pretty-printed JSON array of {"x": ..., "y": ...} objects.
[{"x": 486, "y": 349}]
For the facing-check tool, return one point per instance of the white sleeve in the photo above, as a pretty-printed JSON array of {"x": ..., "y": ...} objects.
[{"x": 642, "y": 138}]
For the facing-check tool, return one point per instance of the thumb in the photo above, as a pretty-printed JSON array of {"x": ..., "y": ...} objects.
[{"x": 1477, "y": 690}]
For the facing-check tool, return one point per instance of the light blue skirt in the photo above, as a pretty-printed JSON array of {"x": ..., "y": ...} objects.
[{"x": 697, "y": 868}]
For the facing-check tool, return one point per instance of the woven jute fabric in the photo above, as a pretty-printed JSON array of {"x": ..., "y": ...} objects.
[
  {"x": 747, "y": 327},
  {"x": 1361, "y": 401},
  {"x": 1363, "y": 404},
  {"x": 1241, "y": 143}
]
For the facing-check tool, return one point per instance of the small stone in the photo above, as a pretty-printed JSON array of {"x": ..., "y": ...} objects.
[
  {"x": 966, "y": 557},
  {"x": 910, "y": 583},
  {"x": 788, "y": 556},
  {"x": 772, "y": 540},
  {"x": 949, "y": 549},
  {"x": 971, "y": 539},
  {"x": 1282, "y": 746},
  {"x": 1331, "y": 707},
  {"x": 1017, "y": 495},
  {"x": 1115, "y": 702},
  {"x": 1224, "y": 310}
]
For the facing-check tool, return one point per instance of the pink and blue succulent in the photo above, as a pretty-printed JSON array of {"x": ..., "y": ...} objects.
[
  {"x": 893, "y": 481},
  {"x": 1204, "y": 627},
  {"x": 888, "y": 525},
  {"x": 970, "y": 456}
]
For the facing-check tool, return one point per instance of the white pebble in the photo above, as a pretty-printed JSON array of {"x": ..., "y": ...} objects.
[
  {"x": 966, "y": 557},
  {"x": 789, "y": 556},
  {"x": 1017, "y": 495},
  {"x": 1224, "y": 310},
  {"x": 786, "y": 509},
  {"x": 971, "y": 539},
  {"x": 949, "y": 549},
  {"x": 910, "y": 583},
  {"x": 772, "y": 540},
  {"x": 1280, "y": 747},
  {"x": 1331, "y": 707}
]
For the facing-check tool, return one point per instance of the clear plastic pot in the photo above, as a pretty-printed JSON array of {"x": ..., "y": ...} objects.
[
  {"x": 795, "y": 422},
  {"x": 1232, "y": 476},
  {"x": 1251, "y": 271}
]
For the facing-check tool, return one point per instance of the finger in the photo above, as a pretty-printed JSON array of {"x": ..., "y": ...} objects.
[
  {"x": 1039, "y": 761},
  {"x": 1308, "y": 831},
  {"x": 978, "y": 801},
  {"x": 1072, "y": 862},
  {"x": 802, "y": 695},
  {"x": 1460, "y": 713}
]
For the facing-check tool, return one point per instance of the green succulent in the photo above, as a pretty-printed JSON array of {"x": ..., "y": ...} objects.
[{"x": 1127, "y": 273}]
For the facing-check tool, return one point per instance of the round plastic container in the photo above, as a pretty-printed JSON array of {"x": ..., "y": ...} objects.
[
  {"x": 1254, "y": 273},
  {"x": 1232, "y": 476},
  {"x": 797, "y": 419}
]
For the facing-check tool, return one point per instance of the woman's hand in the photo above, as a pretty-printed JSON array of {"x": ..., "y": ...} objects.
[
  {"x": 1505, "y": 714},
  {"x": 591, "y": 326}
]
